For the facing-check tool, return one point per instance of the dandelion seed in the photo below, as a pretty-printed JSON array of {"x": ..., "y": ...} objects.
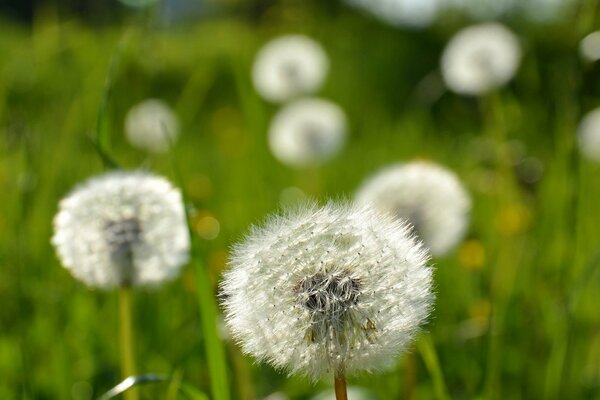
[
  {"x": 289, "y": 66},
  {"x": 428, "y": 195},
  {"x": 152, "y": 126},
  {"x": 335, "y": 289},
  {"x": 307, "y": 132},
  {"x": 122, "y": 229},
  {"x": 480, "y": 58},
  {"x": 589, "y": 135}
]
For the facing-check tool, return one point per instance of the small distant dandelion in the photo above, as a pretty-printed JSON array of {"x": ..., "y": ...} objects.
[
  {"x": 152, "y": 126},
  {"x": 429, "y": 196},
  {"x": 289, "y": 66},
  {"x": 307, "y": 132},
  {"x": 338, "y": 289},
  {"x": 589, "y": 135},
  {"x": 122, "y": 229},
  {"x": 480, "y": 58}
]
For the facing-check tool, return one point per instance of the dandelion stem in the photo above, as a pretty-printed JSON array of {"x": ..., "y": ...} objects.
[
  {"x": 127, "y": 358},
  {"x": 340, "y": 386}
]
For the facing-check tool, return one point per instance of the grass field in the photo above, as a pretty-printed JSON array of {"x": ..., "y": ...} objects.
[{"x": 516, "y": 315}]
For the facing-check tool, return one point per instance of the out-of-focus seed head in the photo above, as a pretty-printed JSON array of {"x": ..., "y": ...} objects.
[
  {"x": 430, "y": 197},
  {"x": 307, "y": 132},
  {"x": 480, "y": 58},
  {"x": 122, "y": 229},
  {"x": 289, "y": 66},
  {"x": 152, "y": 126}
]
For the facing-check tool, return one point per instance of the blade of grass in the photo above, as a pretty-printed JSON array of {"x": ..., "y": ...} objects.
[
  {"x": 427, "y": 350},
  {"x": 102, "y": 140},
  {"x": 215, "y": 351}
]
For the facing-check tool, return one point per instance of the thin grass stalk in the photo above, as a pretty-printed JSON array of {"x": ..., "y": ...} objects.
[
  {"x": 126, "y": 340},
  {"x": 215, "y": 351},
  {"x": 430, "y": 357}
]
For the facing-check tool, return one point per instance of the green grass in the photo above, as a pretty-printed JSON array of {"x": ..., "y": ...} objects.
[{"x": 524, "y": 324}]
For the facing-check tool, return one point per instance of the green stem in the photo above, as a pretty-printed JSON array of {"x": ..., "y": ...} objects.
[
  {"x": 215, "y": 353},
  {"x": 126, "y": 337},
  {"x": 427, "y": 350}
]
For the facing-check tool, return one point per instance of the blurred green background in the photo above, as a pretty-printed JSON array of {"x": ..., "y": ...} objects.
[{"x": 517, "y": 303}]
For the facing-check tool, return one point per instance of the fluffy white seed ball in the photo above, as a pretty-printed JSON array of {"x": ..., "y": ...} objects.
[
  {"x": 307, "y": 132},
  {"x": 480, "y": 58},
  {"x": 152, "y": 126},
  {"x": 289, "y": 66},
  {"x": 429, "y": 196},
  {"x": 320, "y": 290},
  {"x": 122, "y": 229}
]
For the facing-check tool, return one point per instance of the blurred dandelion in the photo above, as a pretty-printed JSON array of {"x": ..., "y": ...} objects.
[
  {"x": 152, "y": 126},
  {"x": 307, "y": 132},
  {"x": 589, "y": 135},
  {"x": 122, "y": 229},
  {"x": 337, "y": 289},
  {"x": 429, "y": 196},
  {"x": 589, "y": 47},
  {"x": 289, "y": 66},
  {"x": 480, "y": 58}
]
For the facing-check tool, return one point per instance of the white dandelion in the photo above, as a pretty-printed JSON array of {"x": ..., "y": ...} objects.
[
  {"x": 428, "y": 195},
  {"x": 122, "y": 229},
  {"x": 337, "y": 289},
  {"x": 152, "y": 126},
  {"x": 480, "y": 58},
  {"x": 307, "y": 132},
  {"x": 589, "y": 135},
  {"x": 289, "y": 66}
]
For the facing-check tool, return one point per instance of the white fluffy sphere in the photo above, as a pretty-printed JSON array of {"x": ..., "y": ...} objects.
[
  {"x": 152, "y": 126},
  {"x": 325, "y": 290},
  {"x": 307, "y": 132},
  {"x": 428, "y": 195},
  {"x": 122, "y": 229},
  {"x": 289, "y": 66},
  {"x": 480, "y": 58}
]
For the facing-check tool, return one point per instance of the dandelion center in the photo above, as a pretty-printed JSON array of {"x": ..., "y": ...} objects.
[
  {"x": 321, "y": 293},
  {"x": 121, "y": 237},
  {"x": 330, "y": 299}
]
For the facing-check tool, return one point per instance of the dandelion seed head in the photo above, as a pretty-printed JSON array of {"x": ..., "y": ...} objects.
[
  {"x": 289, "y": 66},
  {"x": 480, "y": 58},
  {"x": 430, "y": 197},
  {"x": 152, "y": 126},
  {"x": 307, "y": 132},
  {"x": 589, "y": 135},
  {"x": 122, "y": 229},
  {"x": 322, "y": 290}
]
